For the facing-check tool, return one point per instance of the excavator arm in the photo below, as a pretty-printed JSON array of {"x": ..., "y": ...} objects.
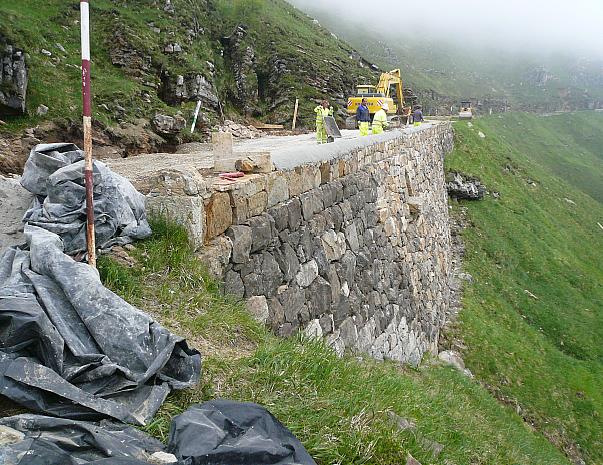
[{"x": 385, "y": 82}]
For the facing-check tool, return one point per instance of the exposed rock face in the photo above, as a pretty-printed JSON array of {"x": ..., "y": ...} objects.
[
  {"x": 13, "y": 79},
  {"x": 466, "y": 188},
  {"x": 176, "y": 89},
  {"x": 125, "y": 55},
  {"x": 168, "y": 125},
  {"x": 242, "y": 58}
]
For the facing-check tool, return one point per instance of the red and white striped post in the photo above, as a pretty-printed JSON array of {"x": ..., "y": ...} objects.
[{"x": 87, "y": 113}]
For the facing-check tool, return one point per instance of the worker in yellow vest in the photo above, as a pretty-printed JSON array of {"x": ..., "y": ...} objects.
[
  {"x": 363, "y": 116},
  {"x": 380, "y": 119},
  {"x": 322, "y": 110}
]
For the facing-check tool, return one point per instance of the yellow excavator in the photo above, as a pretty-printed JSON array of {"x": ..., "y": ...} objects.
[{"x": 388, "y": 90}]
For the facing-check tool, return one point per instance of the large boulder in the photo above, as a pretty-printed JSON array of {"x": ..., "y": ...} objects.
[
  {"x": 13, "y": 79},
  {"x": 168, "y": 125},
  {"x": 464, "y": 187},
  {"x": 176, "y": 89}
]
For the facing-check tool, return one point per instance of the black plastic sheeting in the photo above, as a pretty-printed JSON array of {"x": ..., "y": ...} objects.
[
  {"x": 56, "y": 441},
  {"x": 73, "y": 349},
  {"x": 216, "y": 432},
  {"x": 55, "y": 174},
  {"x": 68, "y": 346},
  {"x": 231, "y": 433}
]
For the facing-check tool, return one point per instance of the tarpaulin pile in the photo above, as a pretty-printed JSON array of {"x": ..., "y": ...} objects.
[
  {"x": 218, "y": 432},
  {"x": 74, "y": 350}
]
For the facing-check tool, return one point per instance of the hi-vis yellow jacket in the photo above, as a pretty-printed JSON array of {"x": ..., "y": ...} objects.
[{"x": 380, "y": 121}]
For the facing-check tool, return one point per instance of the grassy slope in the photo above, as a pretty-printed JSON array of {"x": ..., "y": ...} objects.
[
  {"x": 340, "y": 408},
  {"x": 275, "y": 26},
  {"x": 542, "y": 355}
]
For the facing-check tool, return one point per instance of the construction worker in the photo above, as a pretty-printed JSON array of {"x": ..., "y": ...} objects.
[
  {"x": 363, "y": 116},
  {"x": 380, "y": 119},
  {"x": 417, "y": 116},
  {"x": 322, "y": 110}
]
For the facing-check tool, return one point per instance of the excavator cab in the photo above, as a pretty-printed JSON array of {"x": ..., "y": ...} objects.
[{"x": 388, "y": 90}]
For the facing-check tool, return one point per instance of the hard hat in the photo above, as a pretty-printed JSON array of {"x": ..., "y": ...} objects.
[{"x": 385, "y": 106}]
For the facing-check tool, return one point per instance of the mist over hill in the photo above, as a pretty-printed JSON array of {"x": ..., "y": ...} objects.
[{"x": 466, "y": 52}]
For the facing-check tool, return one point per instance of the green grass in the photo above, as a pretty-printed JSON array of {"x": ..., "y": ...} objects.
[
  {"x": 276, "y": 30},
  {"x": 341, "y": 409},
  {"x": 543, "y": 356}
]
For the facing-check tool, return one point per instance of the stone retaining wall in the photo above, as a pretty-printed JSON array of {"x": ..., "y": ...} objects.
[{"x": 353, "y": 249}]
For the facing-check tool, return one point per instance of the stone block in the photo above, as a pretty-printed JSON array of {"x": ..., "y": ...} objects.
[
  {"x": 257, "y": 203},
  {"x": 184, "y": 210},
  {"x": 240, "y": 209},
  {"x": 277, "y": 188},
  {"x": 241, "y": 238},
  {"x": 233, "y": 284},
  {"x": 416, "y": 205},
  {"x": 295, "y": 214},
  {"x": 221, "y": 145},
  {"x": 216, "y": 255},
  {"x": 293, "y": 301},
  {"x": 257, "y": 306},
  {"x": 326, "y": 323},
  {"x": 313, "y": 330},
  {"x": 277, "y": 313},
  {"x": 294, "y": 178},
  {"x": 349, "y": 333},
  {"x": 311, "y": 203},
  {"x": 318, "y": 297},
  {"x": 254, "y": 284},
  {"x": 218, "y": 215},
  {"x": 271, "y": 274},
  {"x": 310, "y": 177},
  {"x": 261, "y": 232},
  {"x": 351, "y": 236},
  {"x": 335, "y": 342},
  {"x": 308, "y": 272},
  {"x": 326, "y": 174},
  {"x": 333, "y": 244},
  {"x": 287, "y": 260},
  {"x": 280, "y": 214},
  {"x": 260, "y": 162}
]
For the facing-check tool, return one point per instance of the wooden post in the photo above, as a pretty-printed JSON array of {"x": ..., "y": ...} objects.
[
  {"x": 87, "y": 122},
  {"x": 197, "y": 108},
  {"x": 295, "y": 115}
]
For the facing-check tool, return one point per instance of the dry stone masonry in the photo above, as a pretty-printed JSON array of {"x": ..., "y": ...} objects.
[{"x": 353, "y": 249}]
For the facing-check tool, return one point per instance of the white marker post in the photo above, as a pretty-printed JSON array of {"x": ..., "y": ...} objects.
[
  {"x": 198, "y": 107},
  {"x": 87, "y": 120}
]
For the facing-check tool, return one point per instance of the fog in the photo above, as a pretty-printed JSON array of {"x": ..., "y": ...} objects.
[{"x": 574, "y": 26}]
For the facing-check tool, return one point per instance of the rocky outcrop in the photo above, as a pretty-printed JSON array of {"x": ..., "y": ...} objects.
[
  {"x": 176, "y": 89},
  {"x": 168, "y": 125},
  {"x": 461, "y": 187},
  {"x": 125, "y": 55},
  {"x": 13, "y": 79},
  {"x": 243, "y": 63}
]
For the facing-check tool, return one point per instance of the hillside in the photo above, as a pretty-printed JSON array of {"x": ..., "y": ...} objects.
[
  {"x": 444, "y": 71},
  {"x": 533, "y": 319},
  {"x": 352, "y": 410},
  {"x": 530, "y": 329},
  {"x": 240, "y": 58}
]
